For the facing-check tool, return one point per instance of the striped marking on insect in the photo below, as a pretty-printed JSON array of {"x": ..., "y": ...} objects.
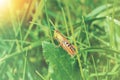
[{"x": 64, "y": 43}]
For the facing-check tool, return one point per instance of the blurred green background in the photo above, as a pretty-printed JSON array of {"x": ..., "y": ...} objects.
[{"x": 28, "y": 50}]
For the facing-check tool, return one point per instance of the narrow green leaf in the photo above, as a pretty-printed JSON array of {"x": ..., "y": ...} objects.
[
  {"x": 98, "y": 11},
  {"x": 63, "y": 66}
]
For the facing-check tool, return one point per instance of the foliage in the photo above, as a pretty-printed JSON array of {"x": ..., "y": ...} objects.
[
  {"x": 61, "y": 66},
  {"x": 28, "y": 50}
]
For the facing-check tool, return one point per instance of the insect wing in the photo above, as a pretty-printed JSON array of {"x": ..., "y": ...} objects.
[{"x": 65, "y": 44}]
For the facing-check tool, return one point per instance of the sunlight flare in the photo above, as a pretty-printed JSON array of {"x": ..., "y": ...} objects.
[{"x": 4, "y": 4}]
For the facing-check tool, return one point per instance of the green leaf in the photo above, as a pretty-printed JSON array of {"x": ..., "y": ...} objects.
[
  {"x": 61, "y": 65},
  {"x": 98, "y": 10}
]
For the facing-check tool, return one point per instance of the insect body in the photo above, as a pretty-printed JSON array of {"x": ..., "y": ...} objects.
[{"x": 64, "y": 43}]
